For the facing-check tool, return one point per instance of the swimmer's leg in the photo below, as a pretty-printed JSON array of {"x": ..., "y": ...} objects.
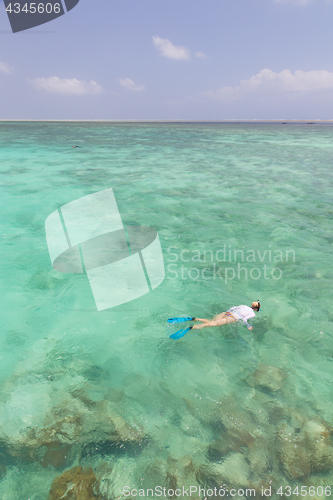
[
  {"x": 206, "y": 324},
  {"x": 201, "y": 319},
  {"x": 219, "y": 320}
]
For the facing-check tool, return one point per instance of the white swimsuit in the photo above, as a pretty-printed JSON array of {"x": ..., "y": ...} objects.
[{"x": 242, "y": 313}]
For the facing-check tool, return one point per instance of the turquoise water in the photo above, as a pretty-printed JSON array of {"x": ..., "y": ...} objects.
[{"x": 110, "y": 390}]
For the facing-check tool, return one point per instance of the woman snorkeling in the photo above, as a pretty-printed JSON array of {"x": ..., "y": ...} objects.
[{"x": 234, "y": 314}]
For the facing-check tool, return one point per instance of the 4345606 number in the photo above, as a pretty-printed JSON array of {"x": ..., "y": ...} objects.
[{"x": 34, "y": 8}]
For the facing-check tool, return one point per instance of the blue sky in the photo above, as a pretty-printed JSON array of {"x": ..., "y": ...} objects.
[{"x": 172, "y": 59}]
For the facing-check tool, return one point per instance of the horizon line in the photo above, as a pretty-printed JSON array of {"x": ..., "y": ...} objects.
[{"x": 134, "y": 120}]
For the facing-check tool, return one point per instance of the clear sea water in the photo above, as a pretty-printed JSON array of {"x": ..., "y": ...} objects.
[{"x": 262, "y": 192}]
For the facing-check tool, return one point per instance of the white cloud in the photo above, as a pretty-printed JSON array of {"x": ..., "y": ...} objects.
[
  {"x": 201, "y": 55},
  {"x": 169, "y": 50},
  {"x": 295, "y": 2},
  {"x": 5, "y": 68},
  {"x": 130, "y": 85},
  {"x": 268, "y": 82},
  {"x": 300, "y": 2},
  {"x": 66, "y": 86}
]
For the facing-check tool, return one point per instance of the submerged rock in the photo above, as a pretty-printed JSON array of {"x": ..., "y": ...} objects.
[
  {"x": 105, "y": 432},
  {"x": 233, "y": 439},
  {"x": 237, "y": 429},
  {"x": 57, "y": 455},
  {"x": 305, "y": 450},
  {"x": 276, "y": 412},
  {"x": 75, "y": 484},
  {"x": 180, "y": 472},
  {"x": 48, "y": 445},
  {"x": 150, "y": 472},
  {"x": 267, "y": 377},
  {"x": 243, "y": 453},
  {"x": 2, "y": 471},
  {"x": 75, "y": 425},
  {"x": 235, "y": 471},
  {"x": 304, "y": 444}
]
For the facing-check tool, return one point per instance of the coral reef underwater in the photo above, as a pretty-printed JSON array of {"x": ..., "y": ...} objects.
[{"x": 90, "y": 448}]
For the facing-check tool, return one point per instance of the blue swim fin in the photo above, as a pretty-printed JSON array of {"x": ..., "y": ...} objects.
[
  {"x": 180, "y": 333},
  {"x": 179, "y": 320}
]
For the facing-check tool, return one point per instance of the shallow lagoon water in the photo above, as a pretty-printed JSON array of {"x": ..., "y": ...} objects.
[{"x": 110, "y": 390}]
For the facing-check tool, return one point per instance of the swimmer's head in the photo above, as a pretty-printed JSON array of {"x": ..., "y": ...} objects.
[{"x": 255, "y": 306}]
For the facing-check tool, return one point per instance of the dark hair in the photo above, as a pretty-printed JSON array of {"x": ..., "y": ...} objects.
[{"x": 257, "y": 308}]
